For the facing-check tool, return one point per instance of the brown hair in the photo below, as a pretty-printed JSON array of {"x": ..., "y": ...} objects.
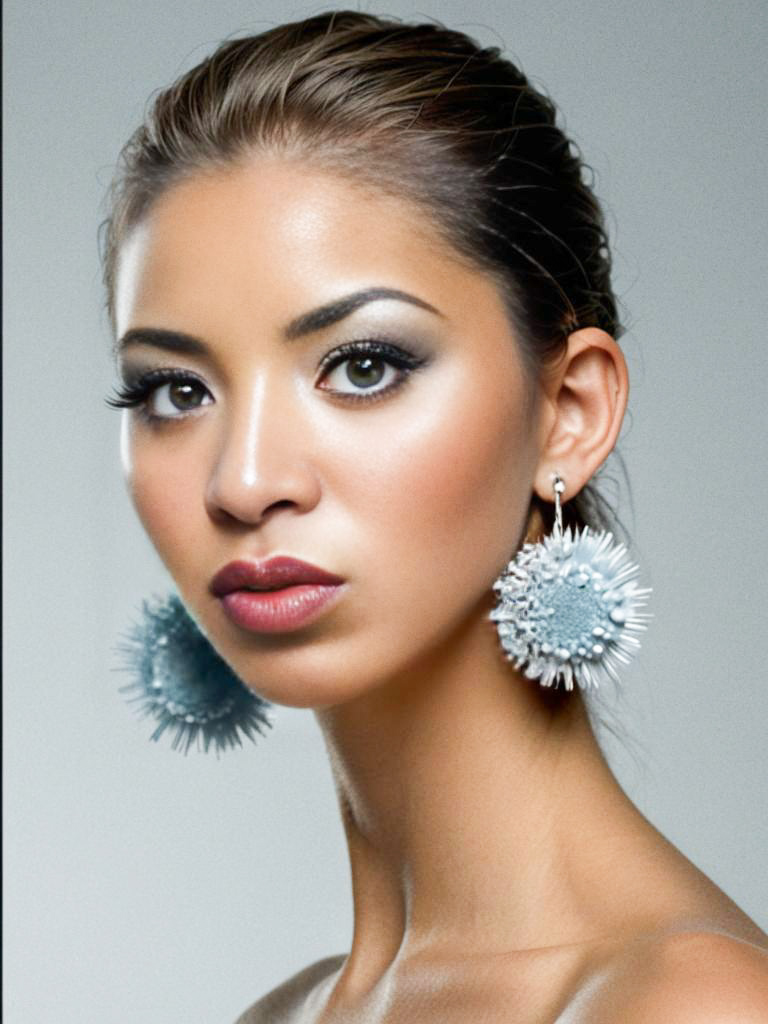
[{"x": 418, "y": 110}]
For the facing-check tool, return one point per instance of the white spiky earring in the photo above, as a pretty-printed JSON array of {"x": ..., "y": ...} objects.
[{"x": 569, "y": 606}]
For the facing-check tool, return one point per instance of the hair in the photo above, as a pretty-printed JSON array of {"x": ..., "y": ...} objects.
[{"x": 416, "y": 110}]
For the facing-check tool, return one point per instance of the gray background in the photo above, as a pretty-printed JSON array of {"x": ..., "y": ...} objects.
[{"x": 142, "y": 886}]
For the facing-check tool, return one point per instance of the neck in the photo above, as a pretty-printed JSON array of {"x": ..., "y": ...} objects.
[{"x": 472, "y": 801}]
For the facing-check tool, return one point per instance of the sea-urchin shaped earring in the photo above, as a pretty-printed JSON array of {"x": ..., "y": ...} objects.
[
  {"x": 569, "y": 606},
  {"x": 182, "y": 682}
]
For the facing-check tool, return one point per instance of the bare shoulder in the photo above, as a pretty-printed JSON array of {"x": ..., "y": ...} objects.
[
  {"x": 689, "y": 977},
  {"x": 282, "y": 1004}
]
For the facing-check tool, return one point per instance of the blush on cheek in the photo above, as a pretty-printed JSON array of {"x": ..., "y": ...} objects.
[
  {"x": 166, "y": 503},
  {"x": 478, "y": 459},
  {"x": 463, "y": 493}
]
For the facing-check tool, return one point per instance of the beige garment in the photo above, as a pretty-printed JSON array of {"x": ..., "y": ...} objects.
[{"x": 283, "y": 1002}]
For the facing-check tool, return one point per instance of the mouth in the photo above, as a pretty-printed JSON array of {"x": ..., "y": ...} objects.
[
  {"x": 278, "y": 595},
  {"x": 281, "y": 610}
]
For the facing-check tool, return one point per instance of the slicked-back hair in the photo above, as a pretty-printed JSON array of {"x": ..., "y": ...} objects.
[{"x": 415, "y": 110}]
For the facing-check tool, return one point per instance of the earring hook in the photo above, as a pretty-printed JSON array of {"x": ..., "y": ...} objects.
[{"x": 558, "y": 485}]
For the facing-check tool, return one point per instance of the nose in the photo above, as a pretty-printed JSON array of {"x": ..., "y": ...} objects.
[{"x": 263, "y": 460}]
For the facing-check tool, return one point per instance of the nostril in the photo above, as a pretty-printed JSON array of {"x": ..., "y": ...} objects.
[
  {"x": 283, "y": 503},
  {"x": 231, "y": 515},
  {"x": 252, "y": 497}
]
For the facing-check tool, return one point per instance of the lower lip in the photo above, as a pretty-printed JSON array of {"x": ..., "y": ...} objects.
[{"x": 279, "y": 611}]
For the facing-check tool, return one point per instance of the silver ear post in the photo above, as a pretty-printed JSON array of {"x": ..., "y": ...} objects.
[{"x": 558, "y": 486}]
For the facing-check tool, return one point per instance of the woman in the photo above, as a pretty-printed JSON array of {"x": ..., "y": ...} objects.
[{"x": 367, "y": 343}]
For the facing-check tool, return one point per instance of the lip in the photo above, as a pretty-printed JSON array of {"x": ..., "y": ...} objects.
[{"x": 305, "y": 591}]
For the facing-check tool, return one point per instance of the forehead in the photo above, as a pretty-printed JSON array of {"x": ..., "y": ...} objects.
[{"x": 276, "y": 237}]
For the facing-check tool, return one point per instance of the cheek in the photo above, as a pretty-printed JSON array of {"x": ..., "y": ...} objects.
[
  {"x": 470, "y": 485},
  {"x": 446, "y": 499},
  {"x": 165, "y": 482}
]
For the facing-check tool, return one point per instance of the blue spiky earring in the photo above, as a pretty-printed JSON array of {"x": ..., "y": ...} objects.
[
  {"x": 184, "y": 684},
  {"x": 569, "y": 606}
]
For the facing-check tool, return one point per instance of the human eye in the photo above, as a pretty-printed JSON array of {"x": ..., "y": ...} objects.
[
  {"x": 363, "y": 371},
  {"x": 161, "y": 395}
]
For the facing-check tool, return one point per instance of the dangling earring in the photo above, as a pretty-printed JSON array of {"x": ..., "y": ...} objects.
[
  {"x": 569, "y": 606},
  {"x": 184, "y": 684}
]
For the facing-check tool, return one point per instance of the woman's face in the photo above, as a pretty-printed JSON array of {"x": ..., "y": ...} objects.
[{"x": 407, "y": 473}]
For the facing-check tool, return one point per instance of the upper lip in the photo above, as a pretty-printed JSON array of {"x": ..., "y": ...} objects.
[{"x": 280, "y": 571}]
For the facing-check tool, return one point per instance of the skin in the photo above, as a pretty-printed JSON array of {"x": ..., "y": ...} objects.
[{"x": 498, "y": 870}]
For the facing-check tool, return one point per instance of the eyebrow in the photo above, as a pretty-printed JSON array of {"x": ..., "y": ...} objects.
[
  {"x": 307, "y": 323},
  {"x": 334, "y": 311}
]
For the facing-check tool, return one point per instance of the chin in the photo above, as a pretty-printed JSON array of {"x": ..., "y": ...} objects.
[
  {"x": 305, "y": 692},
  {"x": 300, "y": 675}
]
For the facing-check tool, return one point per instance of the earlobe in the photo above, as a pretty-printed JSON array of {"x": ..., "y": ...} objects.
[{"x": 587, "y": 396}]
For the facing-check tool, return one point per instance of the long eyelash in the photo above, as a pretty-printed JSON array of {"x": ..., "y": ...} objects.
[
  {"x": 133, "y": 394},
  {"x": 406, "y": 362}
]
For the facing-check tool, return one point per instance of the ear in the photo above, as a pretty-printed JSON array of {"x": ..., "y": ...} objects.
[{"x": 585, "y": 396}]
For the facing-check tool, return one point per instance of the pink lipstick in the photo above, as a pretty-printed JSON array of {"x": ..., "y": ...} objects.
[{"x": 275, "y": 596}]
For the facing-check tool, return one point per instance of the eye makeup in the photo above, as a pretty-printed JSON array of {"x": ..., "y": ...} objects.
[
  {"x": 365, "y": 353},
  {"x": 139, "y": 388}
]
